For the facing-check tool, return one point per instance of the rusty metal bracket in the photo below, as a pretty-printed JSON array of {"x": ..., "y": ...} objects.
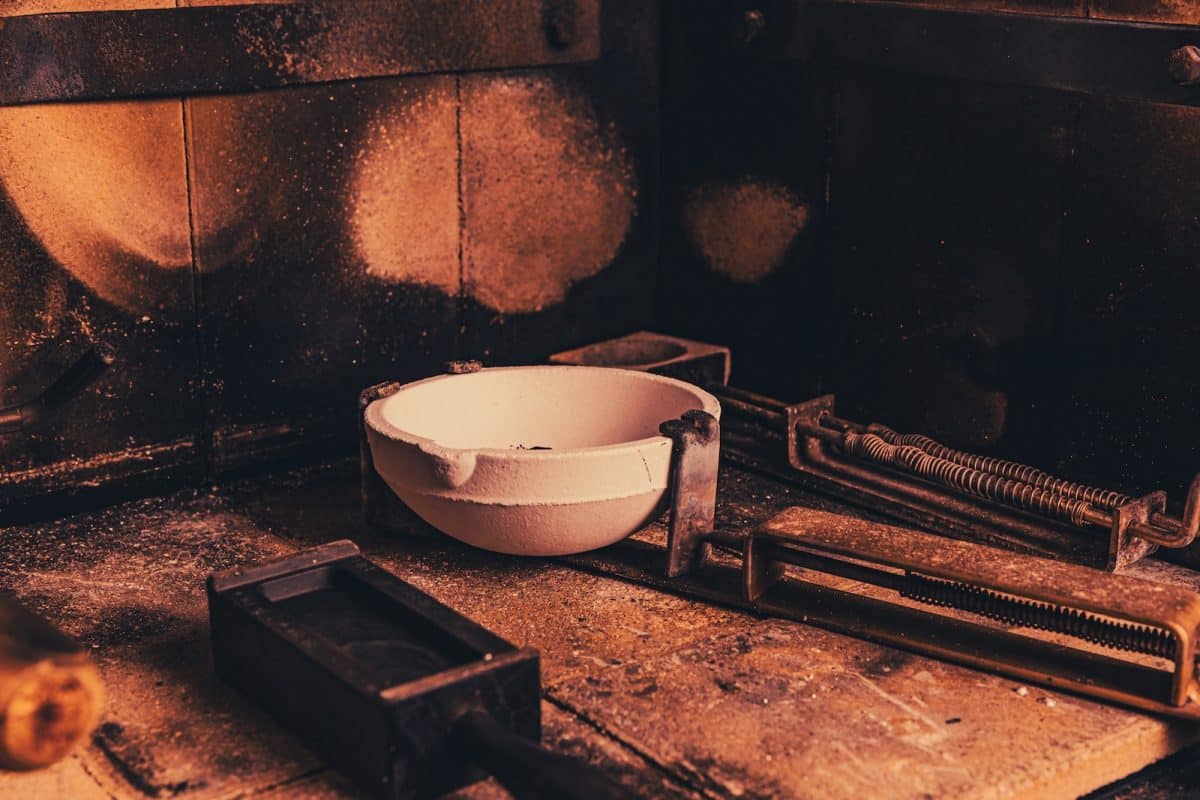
[
  {"x": 695, "y": 458},
  {"x": 1054, "y": 52},
  {"x": 221, "y": 49},
  {"x": 1124, "y": 546}
]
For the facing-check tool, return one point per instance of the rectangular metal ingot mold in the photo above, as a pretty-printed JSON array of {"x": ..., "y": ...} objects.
[
  {"x": 373, "y": 674},
  {"x": 1116, "y": 637}
]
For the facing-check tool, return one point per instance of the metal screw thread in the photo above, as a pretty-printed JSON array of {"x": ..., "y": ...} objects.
[
  {"x": 1042, "y": 616},
  {"x": 1101, "y": 498},
  {"x": 970, "y": 481}
]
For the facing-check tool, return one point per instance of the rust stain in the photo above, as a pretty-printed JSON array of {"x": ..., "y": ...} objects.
[
  {"x": 549, "y": 191},
  {"x": 744, "y": 228},
  {"x": 102, "y": 186},
  {"x": 404, "y": 191}
]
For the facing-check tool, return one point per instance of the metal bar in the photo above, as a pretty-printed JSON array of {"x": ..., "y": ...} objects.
[
  {"x": 1099, "y": 57},
  {"x": 762, "y": 416},
  {"x": 223, "y": 49}
]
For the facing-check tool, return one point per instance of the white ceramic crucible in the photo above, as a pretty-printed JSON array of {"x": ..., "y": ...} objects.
[{"x": 540, "y": 461}]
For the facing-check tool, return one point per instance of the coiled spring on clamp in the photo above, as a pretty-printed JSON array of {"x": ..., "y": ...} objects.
[
  {"x": 1042, "y": 616},
  {"x": 990, "y": 486},
  {"x": 1102, "y": 498}
]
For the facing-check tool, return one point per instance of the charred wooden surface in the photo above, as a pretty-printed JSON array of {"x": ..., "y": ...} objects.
[{"x": 674, "y": 698}]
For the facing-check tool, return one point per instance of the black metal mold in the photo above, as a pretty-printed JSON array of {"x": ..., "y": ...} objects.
[{"x": 372, "y": 673}]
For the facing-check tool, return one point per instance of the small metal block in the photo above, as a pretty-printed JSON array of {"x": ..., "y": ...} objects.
[
  {"x": 1183, "y": 65},
  {"x": 1124, "y": 548},
  {"x": 759, "y": 571}
]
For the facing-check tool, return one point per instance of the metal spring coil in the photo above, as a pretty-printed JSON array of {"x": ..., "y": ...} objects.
[
  {"x": 1043, "y": 616},
  {"x": 1103, "y": 498},
  {"x": 971, "y": 481}
]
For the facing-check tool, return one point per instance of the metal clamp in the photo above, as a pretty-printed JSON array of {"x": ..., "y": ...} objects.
[
  {"x": 1022, "y": 616},
  {"x": 916, "y": 480},
  {"x": 1024, "y": 593}
]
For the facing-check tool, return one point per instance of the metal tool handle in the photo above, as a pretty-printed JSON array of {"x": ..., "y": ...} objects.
[
  {"x": 528, "y": 771},
  {"x": 77, "y": 377}
]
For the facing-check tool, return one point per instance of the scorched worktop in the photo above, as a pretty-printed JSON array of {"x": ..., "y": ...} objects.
[{"x": 672, "y": 697}]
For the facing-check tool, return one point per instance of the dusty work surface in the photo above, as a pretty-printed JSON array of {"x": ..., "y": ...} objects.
[{"x": 673, "y": 697}]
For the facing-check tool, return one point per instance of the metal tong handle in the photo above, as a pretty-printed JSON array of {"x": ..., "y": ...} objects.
[
  {"x": 527, "y": 770},
  {"x": 78, "y": 376}
]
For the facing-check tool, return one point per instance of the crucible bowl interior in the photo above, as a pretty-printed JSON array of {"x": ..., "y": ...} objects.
[{"x": 555, "y": 408}]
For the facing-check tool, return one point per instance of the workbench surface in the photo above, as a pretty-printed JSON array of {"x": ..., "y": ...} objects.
[{"x": 673, "y": 697}]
